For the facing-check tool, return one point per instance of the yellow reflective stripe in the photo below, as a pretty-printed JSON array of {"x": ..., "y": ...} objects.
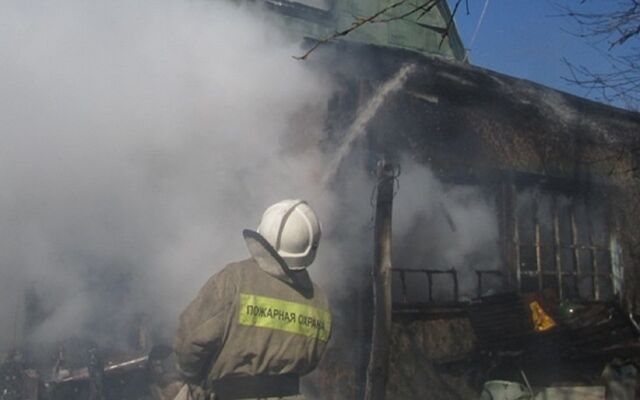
[{"x": 296, "y": 318}]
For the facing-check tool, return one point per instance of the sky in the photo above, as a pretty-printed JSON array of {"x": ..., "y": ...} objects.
[{"x": 525, "y": 39}]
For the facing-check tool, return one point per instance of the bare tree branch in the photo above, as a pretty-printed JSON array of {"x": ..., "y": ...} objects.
[
  {"x": 381, "y": 16},
  {"x": 355, "y": 25},
  {"x": 619, "y": 27},
  {"x": 450, "y": 22},
  {"x": 424, "y": 8}
]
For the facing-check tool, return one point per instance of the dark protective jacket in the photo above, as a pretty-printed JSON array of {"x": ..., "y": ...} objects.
[{"x": 255, "y": 318}]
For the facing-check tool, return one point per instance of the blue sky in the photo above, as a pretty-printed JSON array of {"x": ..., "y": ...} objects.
[{"x": 525, "y": 39}]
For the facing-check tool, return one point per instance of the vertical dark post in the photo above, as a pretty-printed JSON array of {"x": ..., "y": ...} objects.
[
  {"x": 378, "y": 361},
  {"x": 454, "y": 273},
  {"x": 509, "y": 234},
  {"x": 576, "y": 251},
  {"x": 557, "y": 248},
  {"x": 594, "y": 254},
  {"x": 516, "y": 238},
  {"x": 60, "y": 364},
  {"x": 430, "y": 281},
  {"x": 538, "y": 246},
  {"x": 403, "y": 279},
  {"x": 96, "y": 375}
]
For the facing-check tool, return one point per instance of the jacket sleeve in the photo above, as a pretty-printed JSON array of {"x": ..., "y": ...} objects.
[{"x": 203, "y": 325}]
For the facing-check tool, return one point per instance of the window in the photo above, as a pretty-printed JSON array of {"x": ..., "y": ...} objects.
[{"x": 564, "y": 244}]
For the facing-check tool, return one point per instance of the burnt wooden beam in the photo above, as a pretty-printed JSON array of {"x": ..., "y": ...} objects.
[
  {"x": 376, "y": 383},
  {"x": 538, "y": 246},
  {"x": 96, "y": 375},
  {"x": 576, "y": 250},
  {"x": 516, "y": 238},
  {"x": 556, "y": 247}
]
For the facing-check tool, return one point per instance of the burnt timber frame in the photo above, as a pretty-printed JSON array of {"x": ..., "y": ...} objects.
[
  {"x": 584, "y": 249},
  {"x": 582, "y": 253}
]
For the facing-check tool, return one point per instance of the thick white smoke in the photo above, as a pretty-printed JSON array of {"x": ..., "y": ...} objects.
[
  {"x": 439, "y": 226},
  {"x": 138, "y": 139}
]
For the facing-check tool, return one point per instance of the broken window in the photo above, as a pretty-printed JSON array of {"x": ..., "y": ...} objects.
[
  {"x": 446, "y": 247},
  {"x": 564, "y": 244}
]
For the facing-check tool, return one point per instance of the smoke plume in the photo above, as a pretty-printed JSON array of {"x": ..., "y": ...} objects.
[
  {"x": 440, "y": 226},
  {"x": 138, "y": 139}
]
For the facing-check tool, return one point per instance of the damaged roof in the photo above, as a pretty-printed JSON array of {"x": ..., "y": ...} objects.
[{"x": 472, "y": 121}]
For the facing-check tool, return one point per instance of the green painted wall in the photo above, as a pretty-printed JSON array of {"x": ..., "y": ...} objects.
[{"x": 412, "y": 32}]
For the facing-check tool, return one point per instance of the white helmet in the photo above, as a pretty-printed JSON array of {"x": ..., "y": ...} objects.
[{"x": 292, "y": 228}]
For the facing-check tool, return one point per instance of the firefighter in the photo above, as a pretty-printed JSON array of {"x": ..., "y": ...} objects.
[{"x": 259, "y": 324}]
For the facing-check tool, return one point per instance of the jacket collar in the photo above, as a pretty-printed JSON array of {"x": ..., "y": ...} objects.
[{"x": 273, "y": 264}]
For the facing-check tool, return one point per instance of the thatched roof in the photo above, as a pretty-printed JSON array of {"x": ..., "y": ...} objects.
[{"x": 462, "y": 119}]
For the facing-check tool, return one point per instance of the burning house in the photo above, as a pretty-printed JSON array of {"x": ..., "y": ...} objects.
[
  {"x": 545, "y": 291},
  {"x": 514, "y": 235},
  {"x": 555, "y": 298}
]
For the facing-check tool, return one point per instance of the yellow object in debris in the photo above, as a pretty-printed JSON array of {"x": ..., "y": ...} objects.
[{"x": 541, "y": 321}]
